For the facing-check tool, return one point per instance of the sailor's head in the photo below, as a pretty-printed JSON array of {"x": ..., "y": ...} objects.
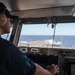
[{"x": 4, "y": 19}]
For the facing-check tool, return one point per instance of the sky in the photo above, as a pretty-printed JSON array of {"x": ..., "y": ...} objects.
[{"x": 44, "y": 29}]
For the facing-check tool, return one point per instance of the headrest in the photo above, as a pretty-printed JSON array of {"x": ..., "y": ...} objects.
[{"x": 4, "y": 10}]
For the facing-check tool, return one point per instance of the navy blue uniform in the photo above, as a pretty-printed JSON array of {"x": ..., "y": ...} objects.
[{"x": 14, "y": 62}]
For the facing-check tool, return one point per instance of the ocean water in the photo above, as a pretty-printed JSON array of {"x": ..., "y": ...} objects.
[{"x": 68, "y": 41}]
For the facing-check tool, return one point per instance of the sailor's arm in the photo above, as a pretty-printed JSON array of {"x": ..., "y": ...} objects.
[{"x": 41, "y": 71}]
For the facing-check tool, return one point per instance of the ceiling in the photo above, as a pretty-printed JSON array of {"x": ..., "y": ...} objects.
[{"x": 41, "y": 9}]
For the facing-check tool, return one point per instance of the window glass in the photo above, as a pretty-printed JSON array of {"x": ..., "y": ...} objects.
[{"x": 43, "y": 35}]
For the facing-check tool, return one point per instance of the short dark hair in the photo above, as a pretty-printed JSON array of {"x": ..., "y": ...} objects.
[
  {"x": 2, "y": 7},
  {"x": 4, "y": 10}
]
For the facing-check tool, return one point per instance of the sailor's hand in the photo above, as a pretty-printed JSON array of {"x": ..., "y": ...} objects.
[{"x": 53, "y": 69}]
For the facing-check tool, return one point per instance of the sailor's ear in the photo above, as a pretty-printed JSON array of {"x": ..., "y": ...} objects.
[{"x": 3, "y": 20}]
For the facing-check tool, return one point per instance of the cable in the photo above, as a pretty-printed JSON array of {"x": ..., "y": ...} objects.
[{"x": 54, "y": 26}]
